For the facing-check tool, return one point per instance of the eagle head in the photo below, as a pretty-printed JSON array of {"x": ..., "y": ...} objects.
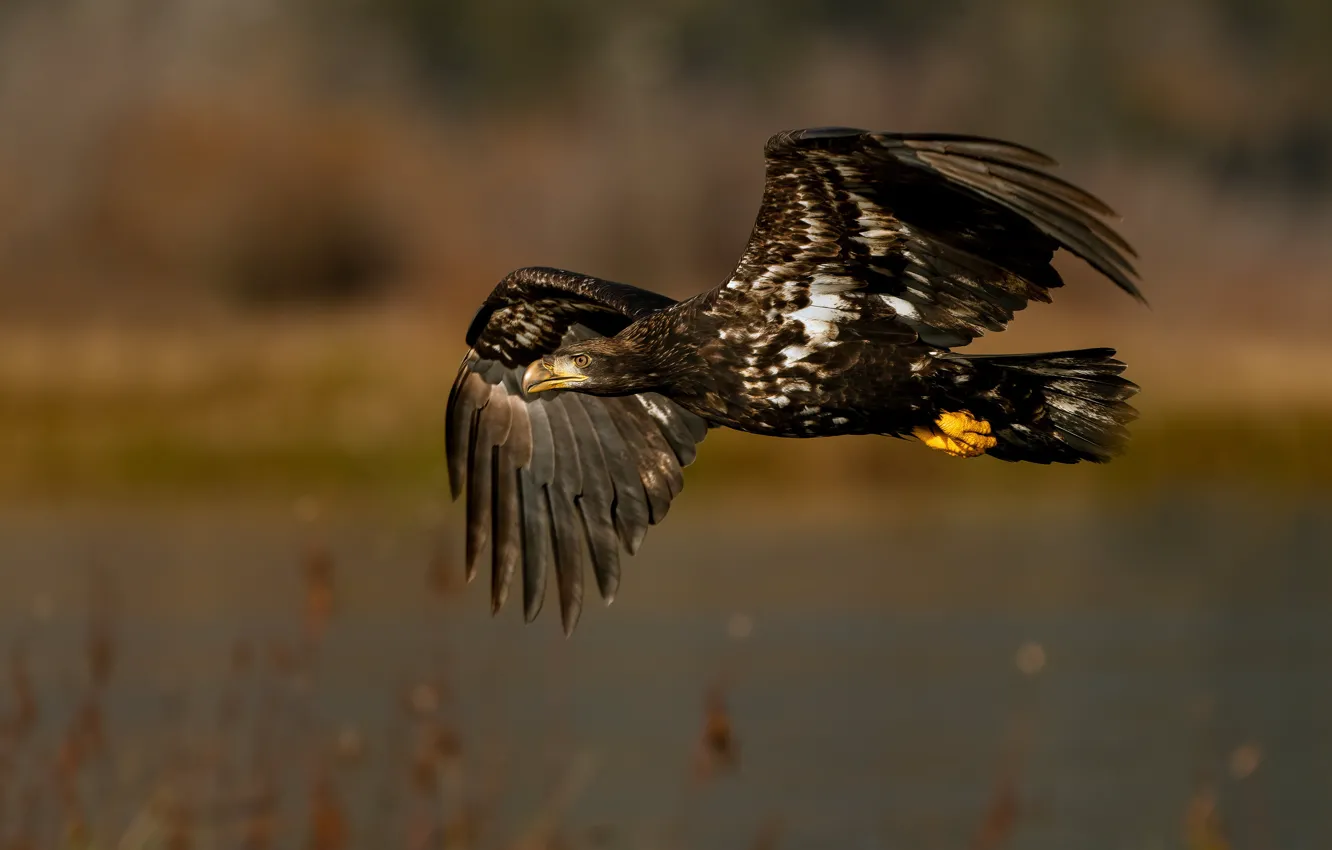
[{"x": 606, "y": 366}]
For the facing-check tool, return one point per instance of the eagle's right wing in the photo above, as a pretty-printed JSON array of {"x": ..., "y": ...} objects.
[
  {"x": 558, "y": 479},
  {"x": 946, "y": 235}
]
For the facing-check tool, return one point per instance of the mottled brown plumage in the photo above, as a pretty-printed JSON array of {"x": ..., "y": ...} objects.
[{"x": 872, "y": 256}]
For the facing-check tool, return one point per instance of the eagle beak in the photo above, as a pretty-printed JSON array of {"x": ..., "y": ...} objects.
[{"x": 543, "y": 375}]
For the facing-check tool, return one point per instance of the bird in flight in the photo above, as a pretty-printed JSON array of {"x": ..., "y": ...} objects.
[{"x": 874, "y": 257}]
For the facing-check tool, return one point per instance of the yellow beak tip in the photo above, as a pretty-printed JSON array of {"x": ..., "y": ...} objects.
[
  {"x": 534, "y": 375},
  {"x": 538, "y": 377}
]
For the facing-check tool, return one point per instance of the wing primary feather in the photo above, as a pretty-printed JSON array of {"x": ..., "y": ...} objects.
[
  {"x": 1083, "y": 241},
  {"x": 1057, "y": 187},
  {"x": 455, "y": 428},
  {"x": 660, "y": 459},
  {"x": 1096, "y": 235},
  {"x": 520, "y": 423},
  {"x": 568, "y": 471},
  {"x": 1066, "y": 198},
  {"x": 1073, "y": 236},
  {"x": 489, "y": 433},
  {"x": 596, "y": 502},
  {"x": 698, "y": 426},
  {"x": 569, "y": 556},
  {"x": 1072, "y": 233},
  {"x": 468, "y": 394},
  {"x": 672, "y": 426},
  {"x": 567, "y": 525},
  {"x": 604, "y": 544},
  {"x": 507, "y": 547},
  {"x": 537, "y": 552},
  {"x": 506, "y": 535},
  {"x": 632, "y": 516},
  {"x": 976, "y": 146},
  {"x": 646, "y": 459},
  {"x": 478, "y": 498}
]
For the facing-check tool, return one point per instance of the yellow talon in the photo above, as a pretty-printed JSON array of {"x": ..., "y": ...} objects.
[{"x": 957, "y": 434}]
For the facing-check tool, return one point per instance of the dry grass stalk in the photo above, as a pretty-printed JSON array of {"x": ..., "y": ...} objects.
[
  {"x": 718, "y": 751},
  {"x": 328, "y": 820},
  {"x": 1001, "y": 817},
  {"x": 100, "y": 645},
  {"x": 26, "y": 716},
  {"x": 1203, "y": 828},
  {"x": 259, "y": 813},
  {"x": 317, "y": 569}
]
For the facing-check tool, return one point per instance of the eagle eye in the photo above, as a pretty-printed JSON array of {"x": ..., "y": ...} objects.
[{"x": 582, "y": 361}]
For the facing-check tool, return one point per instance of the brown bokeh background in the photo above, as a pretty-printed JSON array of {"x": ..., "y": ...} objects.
[{"x": 240, "y": 241}]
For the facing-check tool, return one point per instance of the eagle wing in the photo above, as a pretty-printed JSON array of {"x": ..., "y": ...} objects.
[
  {"x": 558, "y": 479},
  {"x": 948, "y": 235}
]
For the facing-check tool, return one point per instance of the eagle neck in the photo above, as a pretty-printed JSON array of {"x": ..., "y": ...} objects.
[{"x": 666, "y": 349}]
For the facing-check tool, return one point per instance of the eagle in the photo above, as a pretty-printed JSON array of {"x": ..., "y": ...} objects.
[{"x": 874, "y": 258}]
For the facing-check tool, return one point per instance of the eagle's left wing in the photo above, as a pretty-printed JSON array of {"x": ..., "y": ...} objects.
[
  {"x": 558, "y": 479},
  {"x": 948, "y": 235}
]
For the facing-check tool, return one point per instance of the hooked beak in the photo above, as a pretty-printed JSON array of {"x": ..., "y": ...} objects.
[{"x": 543, "y": 375}]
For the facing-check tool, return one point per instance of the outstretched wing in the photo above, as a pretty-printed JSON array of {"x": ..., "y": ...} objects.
[
  {"x": 948, "y": 235},
  {"x": 558, "y": 479}
]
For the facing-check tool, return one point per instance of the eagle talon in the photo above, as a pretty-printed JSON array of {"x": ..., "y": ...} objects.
[{"x": 957, "y": 434}]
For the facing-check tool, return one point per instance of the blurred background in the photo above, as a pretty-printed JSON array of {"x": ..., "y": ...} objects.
[{"x": 240, "y": 241}]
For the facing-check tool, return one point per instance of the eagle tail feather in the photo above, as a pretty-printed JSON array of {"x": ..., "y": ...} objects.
[{"x": 1055, "y": 407}]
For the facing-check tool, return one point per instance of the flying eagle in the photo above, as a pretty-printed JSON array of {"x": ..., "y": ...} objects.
[{"x": 873, "y": 258}]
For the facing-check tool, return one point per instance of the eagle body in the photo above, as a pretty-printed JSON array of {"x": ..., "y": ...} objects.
[
  {"x": 873, "y": 258},
  {"x": 791, "y": 381}
]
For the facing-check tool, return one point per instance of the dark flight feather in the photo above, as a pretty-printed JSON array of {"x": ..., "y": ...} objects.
[
  {"x": 652, "y": 457},
  {"x": 568, "y": 527},
  {"x": 538, "y": 554},
  {"x": 597, "y": 499},
  {"x": 631, "y": 513},
  {"x": 507, "y": 548},
  {"x": 488, "y": 434}
]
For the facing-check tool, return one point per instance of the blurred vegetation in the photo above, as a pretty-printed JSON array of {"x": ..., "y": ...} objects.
[{"x": 1235, "y": 85}]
